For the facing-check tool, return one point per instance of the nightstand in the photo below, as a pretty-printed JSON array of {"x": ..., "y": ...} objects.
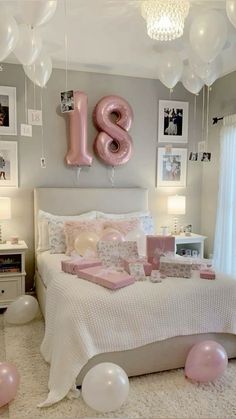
[
  {"x": 193, "y": 242},
  {"x": 12, "y": 272}
]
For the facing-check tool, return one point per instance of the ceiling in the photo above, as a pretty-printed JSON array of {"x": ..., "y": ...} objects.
[{"x": 109, "y": 36}]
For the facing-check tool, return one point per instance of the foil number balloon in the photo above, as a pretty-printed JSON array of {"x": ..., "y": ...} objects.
[{"x": 113, "y": 116}]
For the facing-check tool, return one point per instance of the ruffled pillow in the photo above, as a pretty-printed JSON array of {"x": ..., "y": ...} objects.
[{"x": 123, "y": 226}]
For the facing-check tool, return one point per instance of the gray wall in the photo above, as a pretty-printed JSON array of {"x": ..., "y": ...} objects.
[
  {"x": 222, "y": 103},
  {"x": 143, "y": 96}
]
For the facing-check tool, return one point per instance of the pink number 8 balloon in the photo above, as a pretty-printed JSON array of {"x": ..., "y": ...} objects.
[{"x": 113, "y": 116}]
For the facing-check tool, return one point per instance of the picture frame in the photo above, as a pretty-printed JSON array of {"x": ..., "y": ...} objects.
[
  {"x": 8, "y": 164},
  {"x": 8, "y": 120},
  {"x": 172, "y": 167},
  {"x": 173, "y": 121}
]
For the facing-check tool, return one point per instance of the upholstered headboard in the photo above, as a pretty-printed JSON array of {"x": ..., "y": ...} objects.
[{"x": 72, "y": 201}]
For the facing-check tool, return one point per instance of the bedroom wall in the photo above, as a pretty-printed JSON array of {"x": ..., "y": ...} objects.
[
  {"x": 143, "y": 96},
  {"x": 222, "y": 103}
]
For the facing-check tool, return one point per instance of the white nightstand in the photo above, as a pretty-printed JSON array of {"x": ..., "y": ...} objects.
[
  {"x": 12, "y": 272},
  {"x": 193, "y": 242}
]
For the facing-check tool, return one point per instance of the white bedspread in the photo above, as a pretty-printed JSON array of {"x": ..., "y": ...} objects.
[{"x": 84, "y": 319}]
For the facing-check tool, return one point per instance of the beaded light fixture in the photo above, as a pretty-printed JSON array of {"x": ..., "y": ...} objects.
[{"x": 165, "y": 18}]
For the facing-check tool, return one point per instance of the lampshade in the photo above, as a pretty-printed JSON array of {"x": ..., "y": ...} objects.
[
  {"x": 176, "y": 205},
  {"x": 5, "y": 208}
]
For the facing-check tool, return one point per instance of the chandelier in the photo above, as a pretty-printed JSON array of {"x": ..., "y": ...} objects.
[{"x": 165, "y": 18}]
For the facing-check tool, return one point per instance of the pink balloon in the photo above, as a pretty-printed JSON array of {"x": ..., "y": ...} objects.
[
  {"x": 206, "y": 362},
  {"x": 113, "y": 144},
  {"x": 9, "y": 382},
  {"x": 77, "y": 154},
  {"x": 114, "y": 235}
]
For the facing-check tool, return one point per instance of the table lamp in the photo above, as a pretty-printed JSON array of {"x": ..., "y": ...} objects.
[
  {"x": 5, "y": 212},
  {"x": 176, "y": 205}
]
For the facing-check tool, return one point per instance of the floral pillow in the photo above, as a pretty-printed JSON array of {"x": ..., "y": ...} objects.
[
  {"x": 123, "y": 226},
  {"x": 72, "y": 230}
]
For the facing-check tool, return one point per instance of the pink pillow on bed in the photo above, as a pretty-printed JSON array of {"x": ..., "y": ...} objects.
[
  {"x": 73, "y": 229},
  {"x": 124, "y": 226}
]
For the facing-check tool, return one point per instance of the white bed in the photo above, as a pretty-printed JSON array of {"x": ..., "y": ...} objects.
[{"x": 168, "y": 351}]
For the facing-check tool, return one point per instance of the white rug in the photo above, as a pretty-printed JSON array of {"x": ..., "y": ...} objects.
[{"x": 163, "y": 395}]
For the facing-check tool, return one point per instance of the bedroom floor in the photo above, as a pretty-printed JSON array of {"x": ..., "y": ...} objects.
[{"x": 163, "y": 395}]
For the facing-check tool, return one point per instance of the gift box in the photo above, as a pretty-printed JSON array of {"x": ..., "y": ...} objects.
[
  {"x": 72, "y": 266},
  {"x": 107, "y": 277},
  {"x": 207, "y": 274},
  {"x": 158, "y": 246},
  {"x": 143, "y": 261},
  {"x": 112, "y": 253},
  {"x": 175, "y": 267}
]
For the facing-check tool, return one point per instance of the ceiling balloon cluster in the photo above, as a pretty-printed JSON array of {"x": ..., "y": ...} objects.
[
  {"x": 24, "y": 40},
  {"x": 207, "y": 38}
]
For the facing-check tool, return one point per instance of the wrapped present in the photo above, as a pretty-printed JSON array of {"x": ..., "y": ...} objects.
[
  {"x": 72, "y": 266},
  {"x": 158, "y": 246},
  {"x": 143, "y": 261},
  {"x": 136, "y": 270},
  {"x": 175, "y": 267},
  {"x": 107, "y": 277},
  {"x": 207, "y": 274},
  {"x": 112, "y": 253}
]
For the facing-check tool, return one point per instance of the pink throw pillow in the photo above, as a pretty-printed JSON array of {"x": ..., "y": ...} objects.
[
  {"x": 73, "y": 229},
  {"x": 124, "y": 226}
]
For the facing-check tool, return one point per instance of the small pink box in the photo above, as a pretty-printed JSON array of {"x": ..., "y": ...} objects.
[
  {"x": 106, "y": 277},
  {"x": 207, "y": 274},
  {"x": 146, "y": 265},
  {"x": 72, "y": 266},
  {"x": 158, "y": 246}
]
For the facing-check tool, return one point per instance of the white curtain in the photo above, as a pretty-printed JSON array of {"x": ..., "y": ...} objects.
[{"x": 225, "y": 236}]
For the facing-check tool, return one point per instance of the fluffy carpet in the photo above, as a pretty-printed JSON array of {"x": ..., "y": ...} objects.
[{"x": 163, "y": 395}]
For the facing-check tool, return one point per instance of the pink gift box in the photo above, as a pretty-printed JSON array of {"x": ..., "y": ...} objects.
[
  {"x": 157, "y": 246},
  {"x": 72, "y": 266},
  {"x": 106, "y": 277},
  {"x": 146, "y": 265},
  {"x": 207, "y": 274}
]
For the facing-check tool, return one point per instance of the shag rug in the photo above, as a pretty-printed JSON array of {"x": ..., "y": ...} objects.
[{"x": 162, "y": 395}]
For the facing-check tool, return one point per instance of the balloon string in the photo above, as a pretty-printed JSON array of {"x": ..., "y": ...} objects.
[
  {"x": 34, "y": 95},
  {"x": 112, "y": 177},
  {"x": 170, "y": 95},
  {"x": 66, "y": 46},
  {"x": 78, "y": 174},
  {"x": 203, "y": 112},
  {"x": 207, "y": 117},
  {"x": 195, "y": 122},
  {"x": 26, "y": 102},
  {"x": 42, "y": 132},
  {"x": 156, "y": 164}
]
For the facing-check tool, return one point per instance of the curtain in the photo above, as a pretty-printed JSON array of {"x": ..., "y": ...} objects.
[{"x": 225, "y": 235}]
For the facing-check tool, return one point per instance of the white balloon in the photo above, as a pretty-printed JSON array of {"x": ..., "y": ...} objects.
[
  {"x": 170, "y": 68},
  {"x": 208, "y": 35},
  {"x": 231, "y": 11},
  {"x": 40, "y": 71},
  {"x": 210, "y": 72},
  {"x": 191, "y": 81},
  {"x": 138, "y": 236},
  {"x": 23, "y": 310},
  {"x": 29, "y": 45},
  {"x": 37, "y": 12},
  {"x": 105, "y": 387},
  {"x": 9, "y": 34}
]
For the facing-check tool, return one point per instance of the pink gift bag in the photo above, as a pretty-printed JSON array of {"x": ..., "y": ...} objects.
[{"x": 158, "y": 246}]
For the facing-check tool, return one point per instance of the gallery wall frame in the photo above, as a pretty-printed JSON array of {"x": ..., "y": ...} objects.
[
  {"x": 8, "y": 117},
  {"x": 8, "y": 164},
  {"x": 173, "y": 121},
  {"x": 172, "y": 167}
]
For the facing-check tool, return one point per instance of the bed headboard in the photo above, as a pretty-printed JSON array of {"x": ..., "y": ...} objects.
[{"x": 72, "y": 201}]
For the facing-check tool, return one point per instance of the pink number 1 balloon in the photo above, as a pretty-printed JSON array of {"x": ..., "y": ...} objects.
[
  {"x": 77, "y": 154},
  {"x": 113, "y": 116}
]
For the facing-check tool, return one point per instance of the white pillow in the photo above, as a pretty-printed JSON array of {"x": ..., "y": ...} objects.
[
  {"x": 44, "y": 218},
  {"x": 146, "y": 219}
]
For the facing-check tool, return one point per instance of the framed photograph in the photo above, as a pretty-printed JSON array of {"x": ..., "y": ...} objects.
[
  {"x": 172, "y": 167},
  {"x": 8, "y": 125},
  {"x": 8, "y": 164},
  {"x": 173, "y": 122}
]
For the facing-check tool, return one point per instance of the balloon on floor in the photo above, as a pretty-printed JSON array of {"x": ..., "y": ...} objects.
[
  {"x": 23, "y": 310},
  {"x": 9, "y": 382},
  {"x": 105, "y": 387},
  {"x": 206, "y": 362}
]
